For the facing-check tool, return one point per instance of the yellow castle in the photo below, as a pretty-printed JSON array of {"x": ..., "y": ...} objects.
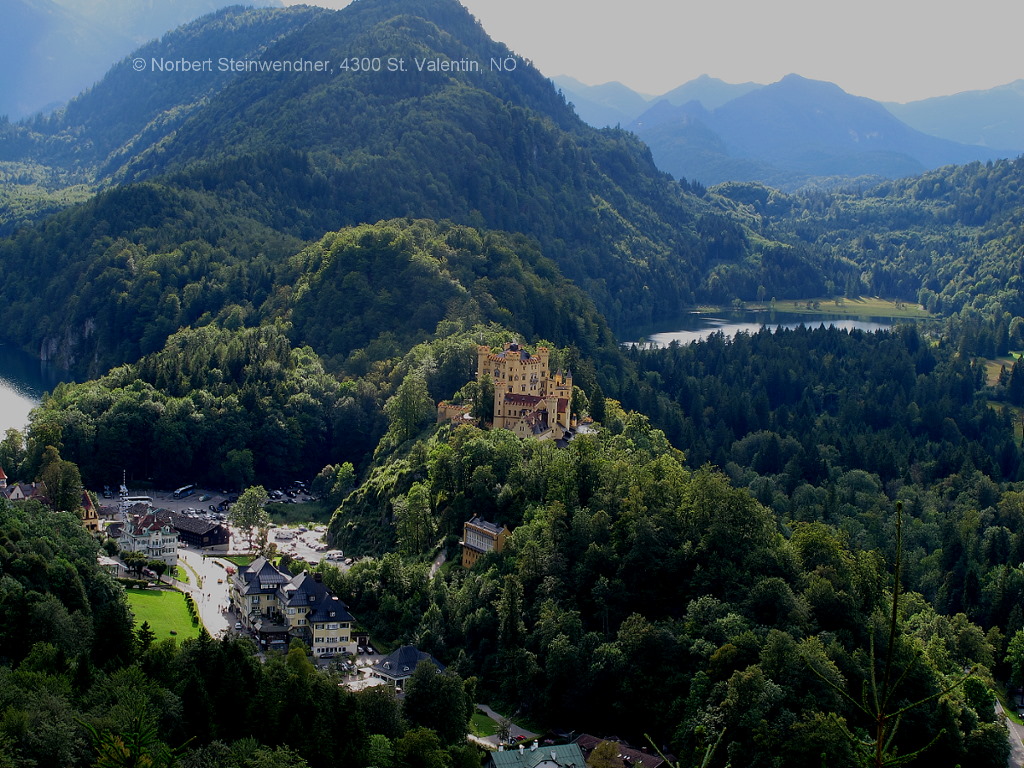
[{"x": 529, "y": 399}]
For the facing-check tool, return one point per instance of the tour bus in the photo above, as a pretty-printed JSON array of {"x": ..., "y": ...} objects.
[
  {"x": 138, "y": 499},
  {"x": 185, "y": 490}
]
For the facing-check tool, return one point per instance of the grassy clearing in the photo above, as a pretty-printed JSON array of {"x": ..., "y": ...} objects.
[
  {"x": 993, "y": 365},
  {"x": 481, "y": 725},
  {"x": 1017, "y": 415},
  {"x": 315, "y": 512},
  {"x": 865, "y": 306},
  {"x": 239, "y": 560},
  {"x": 165, "y": 610},
  {"x": 181, "y": 574}
]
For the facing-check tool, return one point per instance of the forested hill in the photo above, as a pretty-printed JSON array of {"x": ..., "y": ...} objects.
[
  {"x": 949, "y": 239},
  {"x": 268, "y": 157},
  {"x": 128, "y": 113}
]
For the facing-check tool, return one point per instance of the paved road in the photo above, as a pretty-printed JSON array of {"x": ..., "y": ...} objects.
[
  {"x": 212, "y": 596},
  {"x": 1016, "y": 735}
]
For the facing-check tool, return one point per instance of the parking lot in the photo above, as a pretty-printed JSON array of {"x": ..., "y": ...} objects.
[{"x": 300, "y": 542}]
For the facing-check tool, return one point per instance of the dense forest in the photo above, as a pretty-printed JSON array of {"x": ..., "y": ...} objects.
[
  {"x": 79, "y": 686},
  {"x": 948, "y": 239},
  {"x": 242, "y": 173},
  {"x": 628, "y": 573}
]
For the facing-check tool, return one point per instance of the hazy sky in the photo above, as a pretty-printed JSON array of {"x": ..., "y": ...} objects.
[{"x": 891, "y": 50}]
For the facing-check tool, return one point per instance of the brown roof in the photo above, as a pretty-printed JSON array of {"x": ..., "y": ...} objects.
[
  {"x": 148, "y": 523},
  {"x": 514, "y": 399},
  {"x": 636, "y": 757}
]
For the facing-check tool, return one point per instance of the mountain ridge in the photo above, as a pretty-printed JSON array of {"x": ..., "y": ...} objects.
[
  {"x": 287, "y": 157},
  {"x": 797, "y": 129}
]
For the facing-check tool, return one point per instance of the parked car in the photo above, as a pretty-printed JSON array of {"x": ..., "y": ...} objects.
[{"x": 238, "y": 625}]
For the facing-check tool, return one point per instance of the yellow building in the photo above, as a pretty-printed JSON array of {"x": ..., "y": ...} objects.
[
  {"x": 529, "y": 399},
  {"x": 277, "y": 607},
  {"x": 479, "y": 537}
]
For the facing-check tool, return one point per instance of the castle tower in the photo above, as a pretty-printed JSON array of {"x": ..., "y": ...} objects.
[{"x": 527, "y": 394}]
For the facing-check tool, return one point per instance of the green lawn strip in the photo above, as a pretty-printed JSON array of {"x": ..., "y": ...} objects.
[
  {"x": 1004, "y": 699},
  {"x": 164, "y": 609},
  {"x": 238, "y": 560},
  {"x": 181, "y": 574},
  {"x": 198, "y": 578},
  {"x": 481, "y": 725}
]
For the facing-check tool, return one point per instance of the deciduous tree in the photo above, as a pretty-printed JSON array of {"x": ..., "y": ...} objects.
[{"x": 248, "y": 512}]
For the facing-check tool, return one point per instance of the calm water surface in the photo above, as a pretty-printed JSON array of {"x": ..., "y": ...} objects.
[
  {"x": 23, "y": 380},
  {"x": 699, "y": 325}
]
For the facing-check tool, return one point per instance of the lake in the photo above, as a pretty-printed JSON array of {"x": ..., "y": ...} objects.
[
  {"x": 23, "y": 380},
  {"x": 696, "y": 326}
]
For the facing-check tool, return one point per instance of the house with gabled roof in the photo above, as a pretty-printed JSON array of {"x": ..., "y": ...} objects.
[
  {"x": 278, "y": 607},
  {"x": 23, "y": 491},
  {"x": 90, "y": 515},
  {"x": 198, "y": 532},
  {"x": 627, "y": 754},
  {"x": 557, "y": 756},
  {"x": 152, "y": 536}
]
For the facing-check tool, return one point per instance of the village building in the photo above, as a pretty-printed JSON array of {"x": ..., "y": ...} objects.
[
  {"x": 90, "y": 515},
  {"x": 480, "y": 537},
  {"x": 277, "y": 607},
  {"x": 199, "y": 532},
  {"x": 398, "y": 666},
  {"x": 23, "y": 491},
  {"x": 152, "y": 536},
  {"x": 529, "y": 398},
  {"x": 534, "y": 756},
  {"x": 627, "y": 754}
]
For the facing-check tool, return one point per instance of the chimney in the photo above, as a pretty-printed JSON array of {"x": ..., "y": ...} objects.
[
  {"x": 318, "y": 577},
  {"x": 534, "y": 746},
  {"x": 521, "y": 750}
]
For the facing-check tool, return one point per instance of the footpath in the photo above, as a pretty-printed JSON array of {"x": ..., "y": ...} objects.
[{"x": 515, "y": 733}]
